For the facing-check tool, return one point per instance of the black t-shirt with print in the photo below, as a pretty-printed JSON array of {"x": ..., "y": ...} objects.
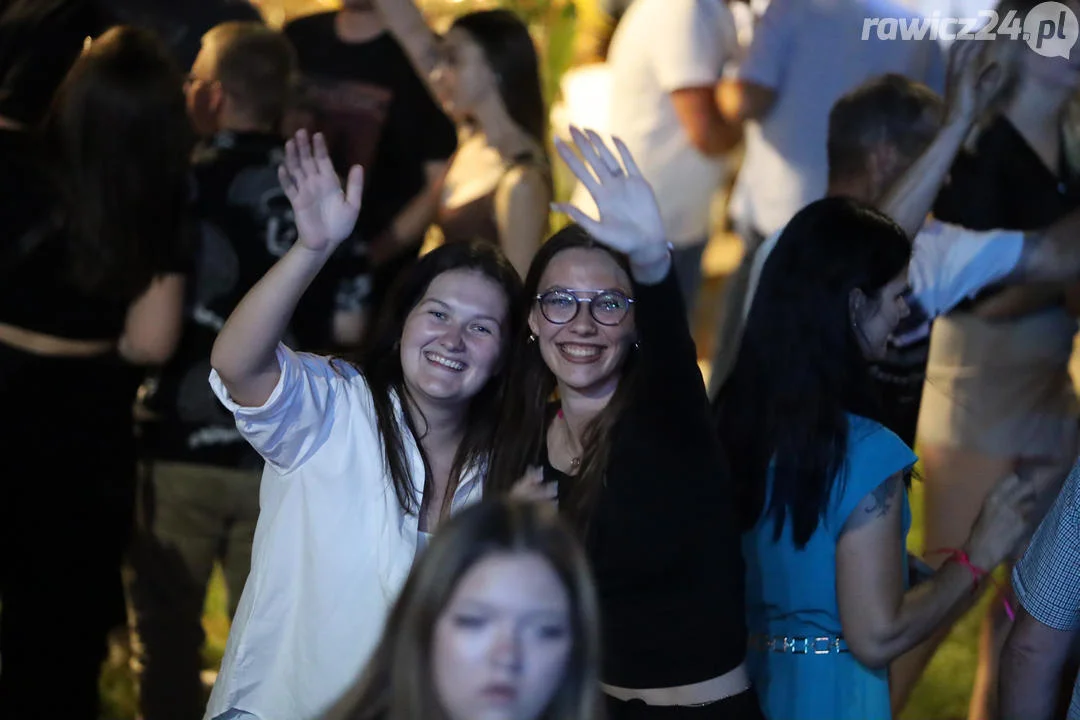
[
  {"x": 245, "y": 225},
  {"x": 375, "y": 111}
]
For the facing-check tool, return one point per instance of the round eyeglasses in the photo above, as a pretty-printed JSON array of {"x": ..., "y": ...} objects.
[{"x": 608, "y": 307}]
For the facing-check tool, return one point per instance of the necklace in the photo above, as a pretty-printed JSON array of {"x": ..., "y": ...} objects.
[{"x": 575, "y": 462}]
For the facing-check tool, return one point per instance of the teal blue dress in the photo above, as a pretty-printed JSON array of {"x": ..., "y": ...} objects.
[{"x": 793, "y": 593}]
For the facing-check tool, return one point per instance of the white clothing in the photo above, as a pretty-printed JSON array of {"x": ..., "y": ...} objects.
[
  {"x": 811, "y": 52},
  {"x": 659, "y": 47},
  {"x": 949, "y": 264},
  {"x": 333, "y": 546}
]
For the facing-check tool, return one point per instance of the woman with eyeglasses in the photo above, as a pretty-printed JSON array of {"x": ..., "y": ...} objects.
[{"x": 630, "y": 451}]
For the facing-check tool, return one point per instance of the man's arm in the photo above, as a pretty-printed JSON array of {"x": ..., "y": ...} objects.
[
  {"x": 742, "y": 100},
  {"x": 709, "y": 131},
  {"x": 1047, "y": 585},
  {"x": 1050, "y": 255},
  {"x": 1031, "y": 667}
]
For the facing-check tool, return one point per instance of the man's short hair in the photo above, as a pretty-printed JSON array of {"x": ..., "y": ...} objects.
[
  {"x": 255, "y": 65},
  {"x": 890, "y": 109}
]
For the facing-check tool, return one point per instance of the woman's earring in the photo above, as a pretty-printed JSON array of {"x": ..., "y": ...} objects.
[
  {"x": 532, "y": 338},
  {"x": 637, "y": 345}
]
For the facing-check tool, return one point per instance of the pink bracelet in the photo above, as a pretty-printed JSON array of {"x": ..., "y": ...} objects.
[{"x": 961, "y": 558}]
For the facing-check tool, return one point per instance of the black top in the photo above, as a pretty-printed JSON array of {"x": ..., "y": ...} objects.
[
  {"x": 1004, "y": 185},
  {"x": 663, "y": 540},
  {"x": 375, "y": 111},
  {"x": 36, "y": 290},
  {"x": 246, "y": 225}
]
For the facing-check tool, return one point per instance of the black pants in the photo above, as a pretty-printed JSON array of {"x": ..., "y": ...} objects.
[
  {"x": 66, "y": 508},
  {"x": 743, "y": 706}
]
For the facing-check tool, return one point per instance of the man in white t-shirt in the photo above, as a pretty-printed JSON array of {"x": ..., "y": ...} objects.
[
  {"x": 666, "y": 59},
  {"x": 887, "y": 146}
]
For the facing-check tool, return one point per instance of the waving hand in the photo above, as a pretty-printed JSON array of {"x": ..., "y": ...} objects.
[
  {"x": 325, "y": 213},
  {"x": 629, "y": 215}
]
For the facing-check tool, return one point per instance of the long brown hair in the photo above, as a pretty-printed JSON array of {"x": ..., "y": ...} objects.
[
  {"x": 398, "y": 683},
  {"x": 122, "y": 141},
  {"x": 525, "y": 416},
  {"x": 380, "y": 364}
]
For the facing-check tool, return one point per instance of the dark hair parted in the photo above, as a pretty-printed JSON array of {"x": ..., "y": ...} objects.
[
  {"x": 380, "y": 363},
  {"x": 524, "y": 417},
  {"x": 800, "y": 369},
  {"x": 122, "y": 141},
  {"x": 891, "y": 110},
  {"x": 398, "y": 683},
  {"x": 509, "y": 50}
]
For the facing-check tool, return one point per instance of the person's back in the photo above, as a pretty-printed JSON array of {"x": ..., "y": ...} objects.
[
  {"x": 811, "y": 52},
  {"x": 791, "y": 596},
  {"x": 662, "y": 49}
]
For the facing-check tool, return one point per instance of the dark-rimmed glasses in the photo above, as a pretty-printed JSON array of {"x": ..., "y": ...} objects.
[{"x": 607, "y": 307}]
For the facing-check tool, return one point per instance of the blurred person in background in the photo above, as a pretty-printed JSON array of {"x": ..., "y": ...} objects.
[
  {"x": 201, "y": 499},
  {"x": 486, "y": 74},
  {"x": 361, "y": 91},
  {"x": 93, "y": 286},
  {"x": 666, "y": 59},
  {"x": 804, "y": 56}
]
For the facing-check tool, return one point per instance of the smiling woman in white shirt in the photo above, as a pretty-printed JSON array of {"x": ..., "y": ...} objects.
[{"x": 362, "y": 460}]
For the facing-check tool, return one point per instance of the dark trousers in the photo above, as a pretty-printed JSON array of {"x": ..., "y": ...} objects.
[{"x": 67, "y": 485}]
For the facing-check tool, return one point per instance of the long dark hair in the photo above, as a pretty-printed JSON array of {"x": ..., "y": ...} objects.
[
  {"x": 398, "y": 682},
  {"x": 800, "y": 369},
  {"x": 380, "y": 363},
  {"x": 123, "y": 142},
  {"x": 524, "y": 417},
  {"x": 509, "y": 50}
]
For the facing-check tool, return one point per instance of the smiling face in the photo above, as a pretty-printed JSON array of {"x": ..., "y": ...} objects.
[
  {"x": 502, "y": 645},
  {"x": 876, "y": 319},
  {"x": 583, "y": 354},
  {"x": 452, "y": 340}
]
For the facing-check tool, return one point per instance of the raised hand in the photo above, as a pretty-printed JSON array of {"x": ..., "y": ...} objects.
[
  {"x": 629, "y": 215},
  {"x": 975, "y": 80},
  {"x": 325, "y": 213}
]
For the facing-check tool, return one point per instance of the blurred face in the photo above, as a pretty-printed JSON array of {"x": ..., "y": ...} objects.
[
  {"x": 579, "y": 286},
  {"x": 502, "y": 644},
  {"x": 452, "y": 340},
  {"x": 875, "y": 319},
  {"x": 463, "y": 78},
  {"x": 203, "y": 92}
]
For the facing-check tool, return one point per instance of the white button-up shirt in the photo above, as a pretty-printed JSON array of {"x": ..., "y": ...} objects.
[{"x": 333, "y": 546}]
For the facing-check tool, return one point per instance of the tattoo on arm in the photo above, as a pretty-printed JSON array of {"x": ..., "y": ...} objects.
[{"x": 876, "y": 505}]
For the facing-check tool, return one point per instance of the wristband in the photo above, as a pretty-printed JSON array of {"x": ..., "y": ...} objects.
[{"x": 961, "y": 558}]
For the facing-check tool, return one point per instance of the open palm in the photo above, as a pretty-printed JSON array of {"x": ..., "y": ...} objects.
[
  {"x": 325, "y": 214},
  {"x": 629, "y": 215}
]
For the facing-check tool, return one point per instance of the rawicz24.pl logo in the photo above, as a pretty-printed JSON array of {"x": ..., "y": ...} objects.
[{"x": 1050, "y": 28}]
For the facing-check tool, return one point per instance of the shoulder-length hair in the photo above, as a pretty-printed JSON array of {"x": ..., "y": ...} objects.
[
  {"x": 119, "y": 128},
  {"x": 524, "y": 418},
  {"x": 800, "y": 369},
  {"x": 398, "y": 683},
  {"x": 380, "y": 364}
]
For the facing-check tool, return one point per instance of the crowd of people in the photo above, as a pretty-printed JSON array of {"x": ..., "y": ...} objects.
[{"x": 489, "y": 480}]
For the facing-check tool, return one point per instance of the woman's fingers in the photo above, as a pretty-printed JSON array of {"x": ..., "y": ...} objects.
[{"x": 577, "y": 167}]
